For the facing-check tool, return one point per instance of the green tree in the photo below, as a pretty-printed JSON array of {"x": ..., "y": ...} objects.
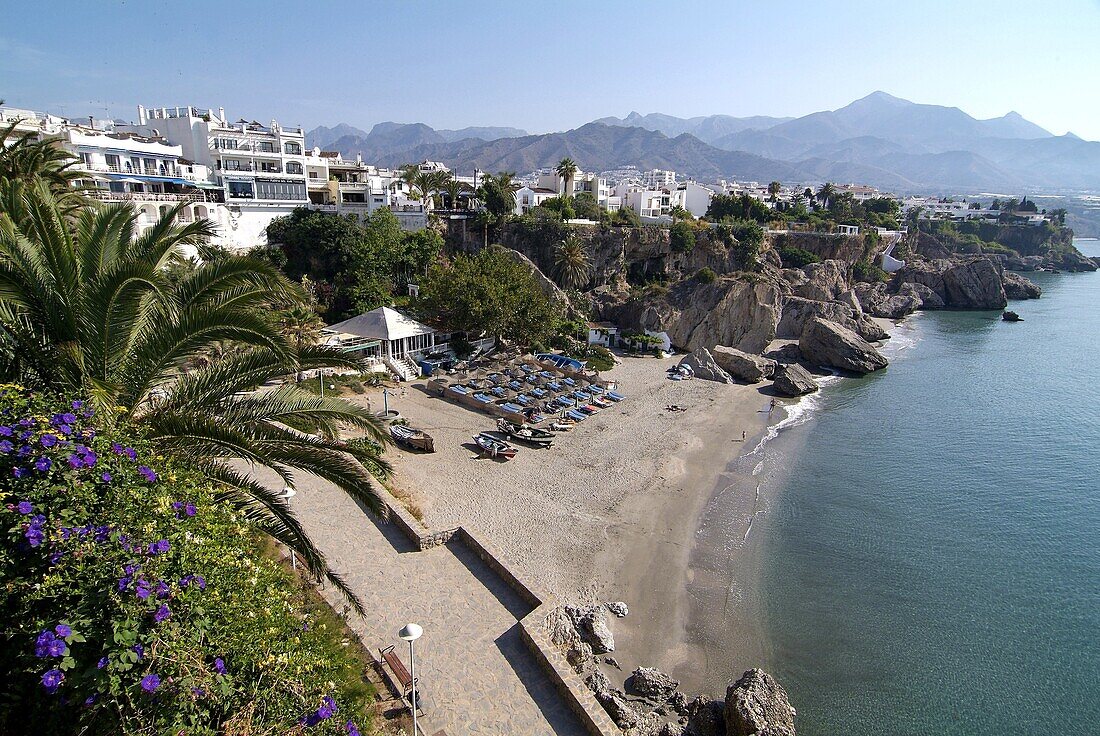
[
  {"x": 488, "y": 293},
  {"x": 681, "y": 237},
  {"x": 86, "y": 307},
  {"x": 301, "y": 325},
  {"x": 773, "y": 190},
  {"x": 586, "y": 207},
  {"x": 566, "y": 169},
  {"x": 572, "y": 263},
  {"x": 27, "y": 160},
  {"x": 498, "y": 195},
  {"x": 626, "y": 217},
  {"x": 825, "y": 194}
]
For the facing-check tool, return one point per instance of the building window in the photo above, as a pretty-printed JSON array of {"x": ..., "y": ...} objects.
[
  {"x": 293, "y": 149},
  {"x": 112, "y": 162},
  {"x": 267, "y": 147},
  {"x": 293, "y": 167},
  {"x": 86, "y": 159},
  {"x": 241, "y": 190},
  {"x": 282, "y": 190}
]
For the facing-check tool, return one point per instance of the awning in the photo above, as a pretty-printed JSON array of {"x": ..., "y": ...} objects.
[
  {"x": 128, "y": 180},
  {"x": 202, "y": 184}
]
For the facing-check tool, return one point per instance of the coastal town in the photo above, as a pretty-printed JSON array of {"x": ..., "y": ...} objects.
[{"x": 625, "y": 369}]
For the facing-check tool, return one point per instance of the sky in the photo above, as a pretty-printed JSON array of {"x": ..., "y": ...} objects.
[{"x": 550, "y": 66}]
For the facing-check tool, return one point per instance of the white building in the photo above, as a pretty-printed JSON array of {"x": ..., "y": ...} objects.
[
  {"x": 261, "y": 168},
  {"x": 693, "y": 197},
  {"x": 658, "y": 178},
  {"x": 528, "y": 197},
  {"x": 385, "y": 336},
  {"x": 650, "y": 204}
]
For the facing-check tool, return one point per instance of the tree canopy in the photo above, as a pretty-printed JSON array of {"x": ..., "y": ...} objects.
[{"x": 488, "y": 292}]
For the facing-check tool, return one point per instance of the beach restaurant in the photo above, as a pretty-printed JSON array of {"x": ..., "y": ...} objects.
[{"x": 382, "y": 335}]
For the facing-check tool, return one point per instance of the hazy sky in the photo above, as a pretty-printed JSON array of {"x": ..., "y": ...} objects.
[{"x": 550, "y": 66}]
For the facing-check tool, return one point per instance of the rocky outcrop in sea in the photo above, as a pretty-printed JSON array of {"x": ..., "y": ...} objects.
[{"x": 650, "y": 702}]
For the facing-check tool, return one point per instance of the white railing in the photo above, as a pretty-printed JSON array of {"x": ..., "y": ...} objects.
[{"x": 146, "y": 197}]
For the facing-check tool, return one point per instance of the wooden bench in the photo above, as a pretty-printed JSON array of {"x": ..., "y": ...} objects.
[{"x": 400, "y": 672}]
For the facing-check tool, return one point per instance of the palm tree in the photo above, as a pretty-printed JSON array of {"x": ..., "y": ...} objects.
[
  {"x": 572, "y": 263},
  {"x": 825, "y": 194},
  {"x": 810, "y": 196},
  {"x": 773, "y": 190},
  {"x": 300, "y": 324},
  {"x": 86, "y": 307},
  {"x": 454, "y": 188},
  {"x": 566, "y": 169},
  {"x": 22, "y": 158}
]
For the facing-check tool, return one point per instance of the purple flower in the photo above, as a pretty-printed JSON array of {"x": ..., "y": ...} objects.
[
  {"x": 130, "y": 453},
  {"x": 106, "y": 477},
  {"x": 90, "y": 459},
  {"x": 116, "y": 448},
  {"x": 102, "y": 663},
  {"x": 146, "y": 471},
  {"x": 141, "y": 589},
  {"x": 162, "y": 613},
  {"x": 68, "y": 418},
  {"x": 162, "y": 589},
  {"x": 42, "y": 644},
  {"x": 52, "y": 680},
  {"x": 25, "y": 507},
  {"x": 55, "y": 557},
  {"x": 76, "y": 461},
  {"x": 63, "y": 630},
  {"x": 34, "y": 535},
  {"x": 18, "y": 472},
  {"x": 139, "y": 650},
  {"x": 198, "y": 692},
  {"x": 5, "y": 431},
  {"x": 91, "y": 699},
  {"x": 353, "y": 730},
  {"x": 65, "y": 429},
  {"x": 161, "y": 546},
  {"x": 189, "y": 509},
  {"x": 102, "y": 533},
  {"x": 6, "y": 446},
  {"x": 48, "y": 440},
  {"x": 219, "y": 666},
  {"x": 43, "y": 464},
  {"x": 57, "y": 648},
  {"x": 149, "y": 683}
]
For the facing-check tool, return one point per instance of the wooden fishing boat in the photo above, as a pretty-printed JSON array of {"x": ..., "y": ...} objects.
[
  {"x": 492, "y": 447},
  {"x": 408, "y": 436},
  {"x": 525, "y": 433}
]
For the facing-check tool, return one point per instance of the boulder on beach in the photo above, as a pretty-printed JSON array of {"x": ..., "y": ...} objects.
[
  {"x": 831, "y": 345},
  {"x": 744, "y": 366},
  {"x": 704, "y": 366},
  {"x": 788, "y": 353},
  {"x": 594, "y": 627},
  {"x": 791, "y": 379},
  {"x": 757, "y": 705},
  {"x": 652, "y": 683},
  {"x": 618, "y": 608},
  {"x": 619, "y": 708}
]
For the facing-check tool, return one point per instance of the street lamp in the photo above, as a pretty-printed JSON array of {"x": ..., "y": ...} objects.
[{"x": 410, "y": 633}]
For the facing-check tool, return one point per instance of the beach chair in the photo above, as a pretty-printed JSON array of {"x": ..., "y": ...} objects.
[
  {"x": 499, "y": 392},
  {"x": 554, "y": 386},
  {"x": 569, "y": 382},
  {"x": 483, "y": 398},
  {"x": 515, "y": 385},
  {"x": 614, "y": 396},
  {"x": 576, "y": 415}
]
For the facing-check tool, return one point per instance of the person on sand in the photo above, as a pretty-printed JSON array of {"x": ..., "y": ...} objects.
[{"x": 744, "y": 434}]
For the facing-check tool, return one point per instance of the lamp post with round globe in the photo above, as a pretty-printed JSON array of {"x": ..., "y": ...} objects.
[{"x": 410, "y": 633}]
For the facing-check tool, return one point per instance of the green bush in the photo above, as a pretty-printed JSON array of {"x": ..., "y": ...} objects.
[
  {"x": 681, "y": 237},
  {"x": 600, "y": 358},
  {"x": 705, "y": 275},
  {"x": 866, "y": 271},
  {"x": 793, "y": 257},
  {"x": 135, "y": 601}
]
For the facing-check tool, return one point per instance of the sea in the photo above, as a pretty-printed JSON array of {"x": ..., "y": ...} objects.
[{"x": 927, "y": 538}]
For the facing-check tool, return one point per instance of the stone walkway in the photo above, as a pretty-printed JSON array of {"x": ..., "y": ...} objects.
[{"x": 476, "y": 675}]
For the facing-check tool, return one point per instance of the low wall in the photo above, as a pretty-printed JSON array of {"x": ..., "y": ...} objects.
[{"x": 532, "y": 626}]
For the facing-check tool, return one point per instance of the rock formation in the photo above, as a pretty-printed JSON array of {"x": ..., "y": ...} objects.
[
  {"x": 960, "y": 283},
  {"x": 653, "y": 683},
  {"x": 831, "y": 345},
  {"x": 1019, "y": 287},
  {"x": 703, "y": 364},
  {"x": 552, "y": 291},
  {"x": 823, "y": 281},
  {"x": 743, "y": 366},
  {"x": 757, "y": 705},
  {"x": 791, "y": 380}
]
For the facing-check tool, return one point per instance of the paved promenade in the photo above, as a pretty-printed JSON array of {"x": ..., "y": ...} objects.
[{"x": 476, "y": 675}]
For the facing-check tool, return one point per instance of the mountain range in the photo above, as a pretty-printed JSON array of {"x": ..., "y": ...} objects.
[{"x": 880, "y": 140}]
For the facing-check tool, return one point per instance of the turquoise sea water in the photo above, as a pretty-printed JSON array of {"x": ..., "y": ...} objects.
[{"x": 931, "y": 554}]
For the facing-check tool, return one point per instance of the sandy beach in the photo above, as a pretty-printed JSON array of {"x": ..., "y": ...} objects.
[{"x": 610, "y": 512}]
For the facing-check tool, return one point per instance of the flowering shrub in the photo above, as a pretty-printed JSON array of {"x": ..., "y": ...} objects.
[{"x": 132, "y": 601}]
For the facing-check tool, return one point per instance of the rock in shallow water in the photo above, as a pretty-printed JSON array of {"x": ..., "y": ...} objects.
[
  {"x": 653, "y": 683},
  {"x": 757, "y": 705},
  {"x": 829, "y": 344},
  {"x": 1019, "y": 287},
  {"x": 793, "y": 380}
]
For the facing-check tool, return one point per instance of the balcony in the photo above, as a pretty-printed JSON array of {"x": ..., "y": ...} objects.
[{"x": 107, "y": 196}]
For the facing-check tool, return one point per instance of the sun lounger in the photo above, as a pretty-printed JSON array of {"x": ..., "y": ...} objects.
[
  {"x": 513, "y": 408},
  {"x": 574, "y": 414},
  {"x": 554, "y": 386},
  {"x": 525, "y": 399},
  {"x": 483, "y": 398},
  {"x": 459, "y": 389},
  {"x": 515, "y": 385},
  {"x": 615, "y": 396},
  {"x": 569, "y": 382},
  {"x": 538, "y": 393},
  {"x": 499, "y": 392}
]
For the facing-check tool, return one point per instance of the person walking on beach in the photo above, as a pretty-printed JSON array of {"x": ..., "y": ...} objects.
[{"x": 744, "y": 434}]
